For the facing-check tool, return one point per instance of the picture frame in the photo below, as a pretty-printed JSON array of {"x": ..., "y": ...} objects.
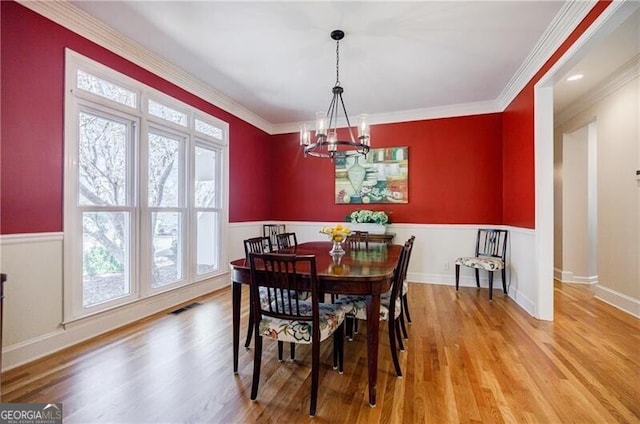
[{"x": 381, "y": 176}]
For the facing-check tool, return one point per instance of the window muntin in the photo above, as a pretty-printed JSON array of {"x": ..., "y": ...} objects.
[{"x": 106, "y": 89}]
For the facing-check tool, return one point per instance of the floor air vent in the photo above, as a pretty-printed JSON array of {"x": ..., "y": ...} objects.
[{"x": 185, "y": 308}]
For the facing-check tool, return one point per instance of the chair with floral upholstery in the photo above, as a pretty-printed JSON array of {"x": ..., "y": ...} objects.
[
  {"x": 491, "y": 251},
  {"x": 286, "y": 318},
  {"x": 390, "y": 301}
]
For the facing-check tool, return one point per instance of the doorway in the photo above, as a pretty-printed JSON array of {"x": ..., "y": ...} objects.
[
  {"x": 576, "y": 206},
  {"x": 615, "y": 15}
]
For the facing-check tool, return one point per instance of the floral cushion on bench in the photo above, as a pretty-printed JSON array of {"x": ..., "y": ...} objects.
[
  {"x": 482, "y": 262},
  {"x": 331, "y": 316}
]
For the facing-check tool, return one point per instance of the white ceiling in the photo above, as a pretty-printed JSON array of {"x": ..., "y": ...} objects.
[
  {"x": 614, "y": 54},
  {"x": 277, "y": 60}
]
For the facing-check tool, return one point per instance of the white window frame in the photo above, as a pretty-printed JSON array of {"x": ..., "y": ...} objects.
[{"x": 141, "y": 234}]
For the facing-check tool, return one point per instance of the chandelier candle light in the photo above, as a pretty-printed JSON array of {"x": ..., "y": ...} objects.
[{"x": 327, "y": 144}]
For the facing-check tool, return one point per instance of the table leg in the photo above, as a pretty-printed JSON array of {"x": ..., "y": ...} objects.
[
  {"x": 236, "y": 296},
  {"x": 373, "y": 327}
]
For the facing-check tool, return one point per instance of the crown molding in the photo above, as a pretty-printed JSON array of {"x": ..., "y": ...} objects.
[
  {"x": 80, "y": 22},
  {"x": 450, "y": 111},
  {"x": 620, "y": 77},
  {"x": 566, "y": 20},
  {"x": 65, "y": 14}
]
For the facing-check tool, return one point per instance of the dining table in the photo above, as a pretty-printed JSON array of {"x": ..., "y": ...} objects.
[{"x": 359, "y": 271}]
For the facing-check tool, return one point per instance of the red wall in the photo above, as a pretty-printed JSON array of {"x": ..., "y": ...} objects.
[
  {"x": 475, "y": 169},
  {"x": 518, "y": 138},
  {"x": 455, "y": 174},
  {"x": 32, "y": 98}
]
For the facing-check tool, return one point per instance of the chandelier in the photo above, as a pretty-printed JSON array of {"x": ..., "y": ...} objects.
[{"x": 327, "y": 143}]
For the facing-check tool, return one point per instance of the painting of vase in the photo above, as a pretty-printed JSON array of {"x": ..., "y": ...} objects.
[{"x": 380, "y": 177}]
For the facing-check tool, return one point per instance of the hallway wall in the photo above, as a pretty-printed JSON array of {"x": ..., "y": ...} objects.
[{"x": 618, "y": 238}]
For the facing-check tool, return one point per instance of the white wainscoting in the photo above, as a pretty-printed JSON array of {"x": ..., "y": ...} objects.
[
  {"x": 33, "y": 304},
  {"x": 33, "y": 325},
  {"x": 435, "y": 251}
]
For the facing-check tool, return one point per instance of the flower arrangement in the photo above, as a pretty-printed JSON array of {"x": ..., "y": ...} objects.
[
  {"x": 337, "y": 233},
  {"x": 368, "y": 216}
]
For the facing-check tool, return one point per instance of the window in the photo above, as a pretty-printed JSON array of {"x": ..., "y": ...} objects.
[
  {"x": 105, "y": 153},
  {"x": 145, "y": 199},
  {"x": 165, "y": 201}
]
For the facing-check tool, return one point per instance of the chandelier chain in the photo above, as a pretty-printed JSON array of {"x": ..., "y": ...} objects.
[{"x": 337, "y": 62}]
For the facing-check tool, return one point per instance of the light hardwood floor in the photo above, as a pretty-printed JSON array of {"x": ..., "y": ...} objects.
[{"x": 466, "y": 360}]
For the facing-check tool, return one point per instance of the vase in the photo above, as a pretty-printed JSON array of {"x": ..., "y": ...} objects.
[{"x": 337, "y": 248}]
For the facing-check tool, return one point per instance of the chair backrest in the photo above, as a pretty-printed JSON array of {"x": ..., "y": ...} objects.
[
  {"x": 399, "y": 275},
  {"x": 286, "y": 240},
  {"x": 257, "y": 245},
  {"x": 410, "y": 241},
  {"x": 271, "y": 230},
  {"x": 358, "y": 240},
  {"x": 492, "y": 243},
  {"x": 281, "y": 276}
]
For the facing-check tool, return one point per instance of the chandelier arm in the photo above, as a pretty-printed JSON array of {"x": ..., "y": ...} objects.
[
  {"x": 331, "y": 113},
  {"x": 346, "y": 116}
]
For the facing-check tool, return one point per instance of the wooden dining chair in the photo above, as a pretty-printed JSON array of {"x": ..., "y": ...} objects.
[
  {"x": 405, "y": 293},
  {"x": 490, "y": 255},
  {"x": 286, "y": 318},
  {"x": 272, "y": 230},
  {"x": 286, "y": 240},
  {"x": 390, "y": 308},
  {"x": 358, "y": 240},
  {"x": 255, "y": 245}
]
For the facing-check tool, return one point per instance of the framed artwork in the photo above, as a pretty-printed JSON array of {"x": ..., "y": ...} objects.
[{"x": 381, "y": 177}]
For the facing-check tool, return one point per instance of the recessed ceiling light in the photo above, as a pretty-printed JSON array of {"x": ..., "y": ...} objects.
[{"x": 575, "y": 77}]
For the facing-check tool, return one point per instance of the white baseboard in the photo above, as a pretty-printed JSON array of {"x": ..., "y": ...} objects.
[
  {"x": 69, "y": 335},
  {"x": 450, "y": 279},
  {"x": 619, "y": 300},
  {"x": 569, "y": 277}
]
